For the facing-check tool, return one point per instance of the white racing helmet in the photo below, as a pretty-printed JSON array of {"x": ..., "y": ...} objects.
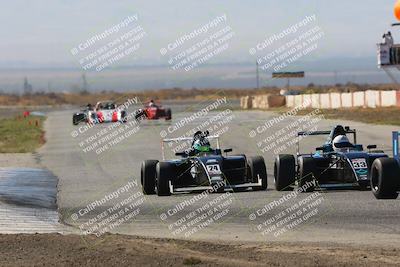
[{"x": 340, "y": 142}]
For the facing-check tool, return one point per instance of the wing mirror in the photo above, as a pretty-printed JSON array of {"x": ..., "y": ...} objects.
[
  {"x": 371, "y": 146},
  {"x": 180, "y": 154},
  {"x": 228, "y": 150},
  {"x": 320, "y": 148}
]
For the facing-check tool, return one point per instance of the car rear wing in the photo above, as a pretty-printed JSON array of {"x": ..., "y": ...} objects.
[
  {"x": 183, "y": 139},
  {"x": 178, "y": 139},
  {"x": 348, "y": 131},
  {"x": 395, "y": 145},
  {"x": 314, "y": 133}
]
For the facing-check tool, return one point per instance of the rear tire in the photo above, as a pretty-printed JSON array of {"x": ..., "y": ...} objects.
[
  {"x": 124, "y": 117},
  {"x": 284, "y": 172},
  {"x": 148, "y": 176},
  {"x": 385, "y": 175},
  {"x": 258, "y": 170},
  {"x": 164, "y": 175},
  {"x": 307, "y": 173}
]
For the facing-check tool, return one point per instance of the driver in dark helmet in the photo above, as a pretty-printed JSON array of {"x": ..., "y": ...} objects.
[{"x": 200, "y": 143}]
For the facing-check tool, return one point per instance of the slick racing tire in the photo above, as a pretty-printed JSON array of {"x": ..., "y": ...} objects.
[
  {"x": 306, "y": 174},
  {"x": 76, "y": 119},
  {"x": 284, "y": 172},
  {"x": 164, "y": 175},
  {"x": 148, "y": 176},
  {"x": 384, "y": 178},
  {"x": 124, "y": 117},
  {"x": 218, "y": 188},
  {"x": 258, "y": 171},
  {"x": 140, "y": 115},
  {"x": 168, "y": 114}
]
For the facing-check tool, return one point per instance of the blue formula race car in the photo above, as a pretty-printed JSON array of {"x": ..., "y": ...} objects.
[{"x": 337, "y": 164}]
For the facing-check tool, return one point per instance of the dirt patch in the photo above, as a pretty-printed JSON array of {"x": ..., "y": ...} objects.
[
  {"x": 27, "y": 160},
  {"x": 120, "y": 250}
]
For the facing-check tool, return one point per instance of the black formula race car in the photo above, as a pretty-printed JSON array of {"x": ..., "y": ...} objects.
[
  {"x": 385, "y": 173},
  {"x": 199, "y": 171},
  {"x": 334, "y": 165}
]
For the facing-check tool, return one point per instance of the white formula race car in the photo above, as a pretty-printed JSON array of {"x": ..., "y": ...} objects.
[{"x": 103, "y": 111}]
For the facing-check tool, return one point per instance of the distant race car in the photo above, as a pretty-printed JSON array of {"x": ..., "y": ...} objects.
[
  {"x": 152, "y": 111},
  {"x": 81, "y": 116},
  {"x": 385, "y": 173},
  {"x": 202, "y": 170},
  {"x": 104, "y": 111},
  {"x": 337, "y": 164}
]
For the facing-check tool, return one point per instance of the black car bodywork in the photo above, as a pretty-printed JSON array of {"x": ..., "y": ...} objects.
[
  {"x": 347, "y": 167},
  {"x": 203, "y": 171}
]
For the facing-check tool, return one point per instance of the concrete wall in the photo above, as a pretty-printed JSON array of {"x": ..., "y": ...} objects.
[
  {"x": 358, "y": 99},
  {"x": 369, "y": 98},
  {"x": 325, "y": 100},
  {"x": 347, "y": 100},
  {"x": 262, "y": 101}
]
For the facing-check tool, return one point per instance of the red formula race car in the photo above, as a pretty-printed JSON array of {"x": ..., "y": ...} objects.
[{"x": 153, "y": 111}]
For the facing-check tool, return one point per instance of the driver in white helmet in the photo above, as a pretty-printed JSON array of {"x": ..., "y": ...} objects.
[{"x": 341, "y": 142}]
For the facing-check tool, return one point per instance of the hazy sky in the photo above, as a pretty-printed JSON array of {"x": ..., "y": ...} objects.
[{"x": 44, "y": 31}]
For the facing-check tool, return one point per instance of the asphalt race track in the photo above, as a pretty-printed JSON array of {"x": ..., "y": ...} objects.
[{"x": 348, "y": 216}]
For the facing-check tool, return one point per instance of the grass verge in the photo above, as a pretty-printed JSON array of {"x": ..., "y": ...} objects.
[{"x": 21, "y": 135}]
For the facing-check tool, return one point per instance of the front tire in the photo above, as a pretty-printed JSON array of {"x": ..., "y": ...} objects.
[
  {"x": 148, "y": 176},
  {"x": 306, "y": 174},
  {"x": 284, "y": 172},
  {"x": 140, "y": 115},
  {"x": 164, "y": 175},
  {"x": 75, "y": 120},
  {"x": 384, "y": 178},
  {"x": 258, "y": 171},
  {"x": 168, "y": 114}
]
